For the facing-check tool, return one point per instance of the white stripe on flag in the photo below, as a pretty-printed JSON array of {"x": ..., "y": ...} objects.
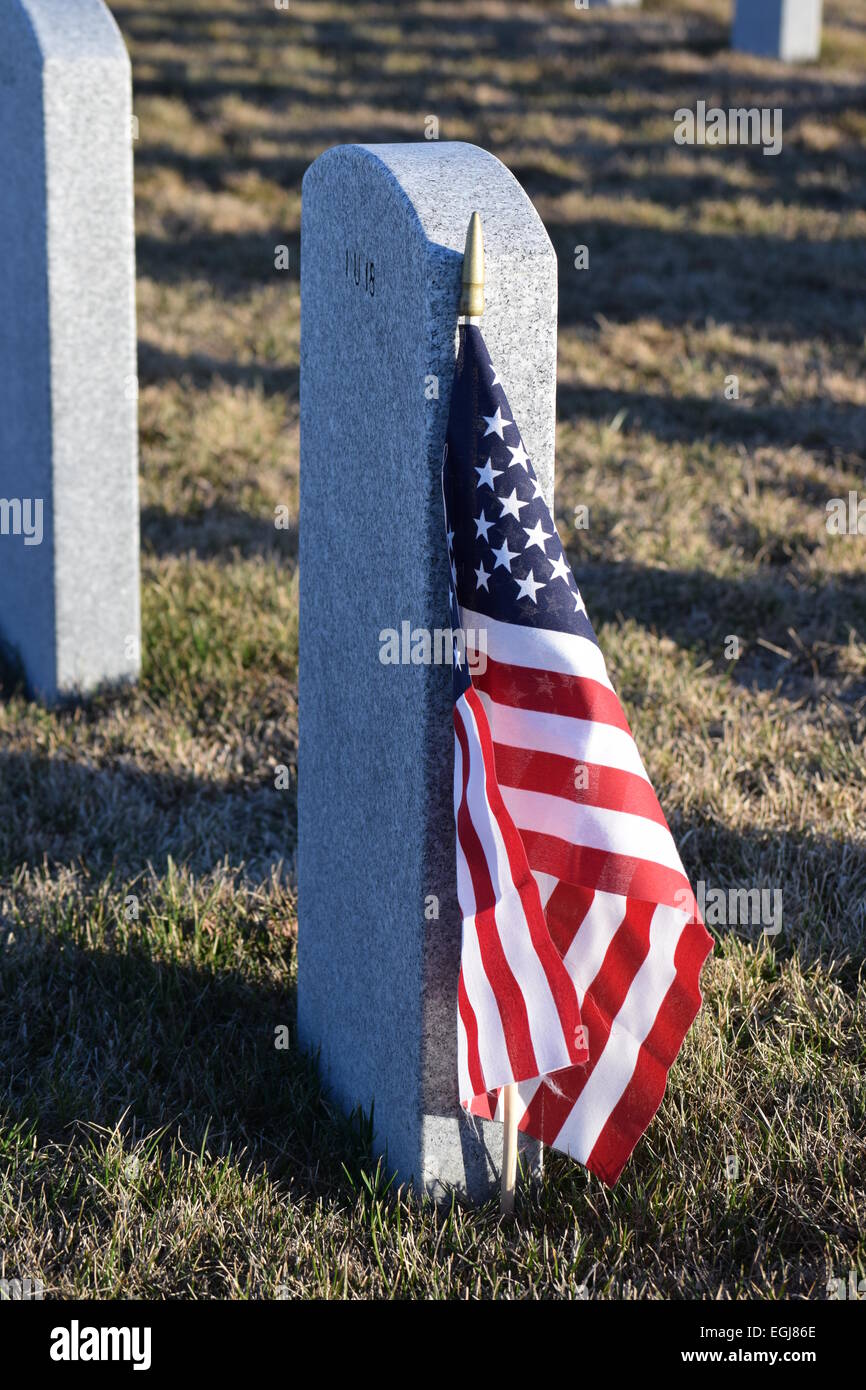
[
  {"x": 537, "y": 647},
  {"x": 615, "y": 1067},
  {"x": 595, "y": 827},
  {"x": 546, "y": 885},
  {"x": 585, "y": 956},
  {"x": 578, "y": 739}
]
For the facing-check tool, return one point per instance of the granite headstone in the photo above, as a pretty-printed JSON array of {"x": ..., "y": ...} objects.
[
  {"x": 69, "y": 573},
  {"x": 382, "y": 236},
  {"x": 786, "y": 29}
]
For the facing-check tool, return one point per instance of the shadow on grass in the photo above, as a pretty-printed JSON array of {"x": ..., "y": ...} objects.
[
  {"x": 216, "y": 532},
  {"x": 822, "y": 882},
  {"x": 122, "y": 1038},
  {"x": 782, "y": 288},
  {"x": 814, "y": 424},
  {"x": 234, "y": 260},
  {"x": 698, "y": 611},
  {"x": 273, "y": 379},
  {"x": 121, "y": 819}
]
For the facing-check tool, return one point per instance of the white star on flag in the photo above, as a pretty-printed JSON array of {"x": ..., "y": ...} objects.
[
  {"x": 560, "y": 568},
  {"x": 495, "y": 423},
  {"x": 519, "y": 456},
  {"x": 512, "y": 505},
  {"x": 487, "y": 474},
  {"x": 528, "y": 587},
  {"x": 505, "y": 556},
  {"x": 537, "y": 536}
]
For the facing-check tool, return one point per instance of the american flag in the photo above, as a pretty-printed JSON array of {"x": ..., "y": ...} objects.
[{"x": 582, "y": 939}]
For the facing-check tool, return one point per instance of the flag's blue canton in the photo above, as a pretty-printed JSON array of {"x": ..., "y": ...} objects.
[{"x": 506, "y": 558}]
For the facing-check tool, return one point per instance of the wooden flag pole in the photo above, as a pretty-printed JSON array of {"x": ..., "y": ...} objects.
[
  {"x": 472, "y": 306},
  {"x": 510, "y": 1115}
]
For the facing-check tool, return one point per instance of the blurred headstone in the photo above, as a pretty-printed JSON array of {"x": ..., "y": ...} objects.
[
  {"x": 786, "y": 29},
  {"x": 69, "y": 575},
  {"x": 382, "y": 235}
]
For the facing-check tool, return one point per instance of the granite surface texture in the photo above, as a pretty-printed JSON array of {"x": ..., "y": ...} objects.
[{"x": 69, "y": 605}]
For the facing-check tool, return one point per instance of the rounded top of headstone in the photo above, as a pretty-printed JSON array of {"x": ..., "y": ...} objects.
[
  {"x": 440, "y": 184},
  {"x": 64, "y": 30}
]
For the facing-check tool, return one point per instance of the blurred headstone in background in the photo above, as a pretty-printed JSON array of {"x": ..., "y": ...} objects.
[
  {"x": 786, "y": 29},
  {"x": 382, "y": 232},
  {"x": 69, "y": 523}
]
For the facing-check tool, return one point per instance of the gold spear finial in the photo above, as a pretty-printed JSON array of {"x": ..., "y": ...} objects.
[{"x": 472, "y": 298}]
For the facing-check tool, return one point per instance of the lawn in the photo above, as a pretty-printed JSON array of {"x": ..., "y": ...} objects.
[{"x": 154, "y": 1141}]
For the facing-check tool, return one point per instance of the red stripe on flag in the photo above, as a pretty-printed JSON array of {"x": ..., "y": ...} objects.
[
  {"x": 550, "y": 692},
  {"x": 608, "y": 787},
  {"x": 470, "y": 1025},
  {"x": 606, "y": 872},
  {"x": 484, "y": 1105},
  {"x": 566, "y": 908},
  {"x": 622, "y": 960}
]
